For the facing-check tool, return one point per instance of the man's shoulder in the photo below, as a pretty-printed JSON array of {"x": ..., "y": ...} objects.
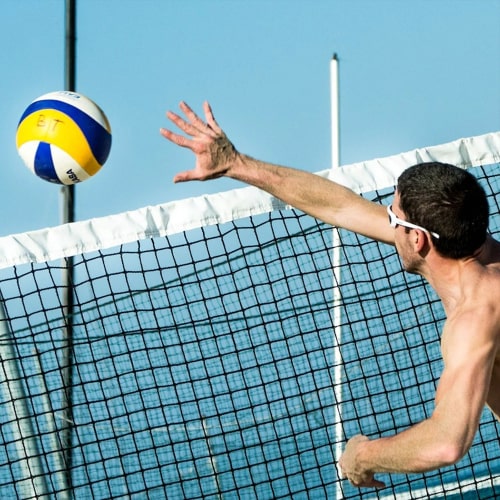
[{"x": 478, "y": 305}]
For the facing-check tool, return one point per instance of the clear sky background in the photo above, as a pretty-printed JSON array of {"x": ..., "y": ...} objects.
[{"x": 413, "y": 73}]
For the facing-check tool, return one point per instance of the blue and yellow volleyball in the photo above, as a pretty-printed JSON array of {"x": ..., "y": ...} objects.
[{"x": 63, "y": 137}]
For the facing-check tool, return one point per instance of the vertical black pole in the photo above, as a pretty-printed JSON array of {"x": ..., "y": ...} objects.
[
  {"x": 67, "y": 298},
  {"x": 70, "y": 84}
]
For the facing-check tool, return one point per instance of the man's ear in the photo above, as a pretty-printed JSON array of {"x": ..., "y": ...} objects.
[{"x": 421, "y": 241}]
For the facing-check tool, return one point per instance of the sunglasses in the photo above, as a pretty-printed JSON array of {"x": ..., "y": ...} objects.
[{"x": 395, "y": 221}]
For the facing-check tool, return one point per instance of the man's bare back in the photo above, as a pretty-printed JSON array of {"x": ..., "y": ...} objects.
[
  {"x": 492, "y": 261},
  {"x": 478, "y": 304}
]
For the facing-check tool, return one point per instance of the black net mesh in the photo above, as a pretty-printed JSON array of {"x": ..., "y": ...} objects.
[{"x": 218, "y": 363}]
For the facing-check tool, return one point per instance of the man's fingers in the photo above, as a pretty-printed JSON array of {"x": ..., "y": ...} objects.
[
  {"x": 198, "y": 124},
  {"x": 195, "y": 126},
  {"x": 372, "y": 483},
  {"x": 178, "y": 139},
  {"x": 214, "y": 152},
  {"x": 186, "y": 127},
  {"x": 209, "y": 116},
  {"x": 378, "y": 484},
  {"x": 367, "y": 483},
  {"x": 343, "y": 475},
  {"x": 188, "y": 175}
]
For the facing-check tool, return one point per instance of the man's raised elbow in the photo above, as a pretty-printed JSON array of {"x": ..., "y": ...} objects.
[{"x": 450, "y": 453}]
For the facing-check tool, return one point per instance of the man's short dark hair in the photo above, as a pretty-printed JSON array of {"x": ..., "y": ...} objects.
[{"x": 449, "y": 201}]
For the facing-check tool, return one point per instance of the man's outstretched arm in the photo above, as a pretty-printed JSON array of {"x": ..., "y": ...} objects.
[{"x": 323, "y": 199}]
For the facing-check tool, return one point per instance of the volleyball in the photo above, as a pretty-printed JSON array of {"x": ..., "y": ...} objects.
[{"x": 63, "y": 137}]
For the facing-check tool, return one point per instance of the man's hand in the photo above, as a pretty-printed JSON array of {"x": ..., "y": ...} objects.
[
  {"x": 351, "y": 470},
  {"x": 213, "y": 150}
]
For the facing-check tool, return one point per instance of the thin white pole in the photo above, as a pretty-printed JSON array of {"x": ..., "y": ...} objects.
[
  {"x": 53, "y": 431},
  {"x": 212, "y": 460},
  {"x": 337, "y": 298},
  {"x": 33, "y": 480},
  {"x": 335, "y": 110}
]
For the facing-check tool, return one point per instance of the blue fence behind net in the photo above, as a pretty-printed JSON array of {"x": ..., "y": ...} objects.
[{"x": 207, "y": 365}]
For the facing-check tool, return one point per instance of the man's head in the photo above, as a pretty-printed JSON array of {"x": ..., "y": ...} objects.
[{"x": 446, "y": 200}]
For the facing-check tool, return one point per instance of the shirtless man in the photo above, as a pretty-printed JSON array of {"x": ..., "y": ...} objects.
[{"x": 438, "y": 224}]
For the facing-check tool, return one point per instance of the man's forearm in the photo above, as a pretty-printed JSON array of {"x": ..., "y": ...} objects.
[
  {"x": 418, "y": 449},
  {"x": 306, "y": 191}
]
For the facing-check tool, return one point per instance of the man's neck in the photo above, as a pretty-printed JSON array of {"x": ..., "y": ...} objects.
[{"x": 453, "y": 279}]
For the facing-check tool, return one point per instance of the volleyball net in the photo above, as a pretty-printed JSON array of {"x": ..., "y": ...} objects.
[{"x": 225, "y": 346}]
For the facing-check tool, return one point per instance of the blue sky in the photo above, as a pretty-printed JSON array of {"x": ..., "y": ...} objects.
[{"x": 412, "y": 74}]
